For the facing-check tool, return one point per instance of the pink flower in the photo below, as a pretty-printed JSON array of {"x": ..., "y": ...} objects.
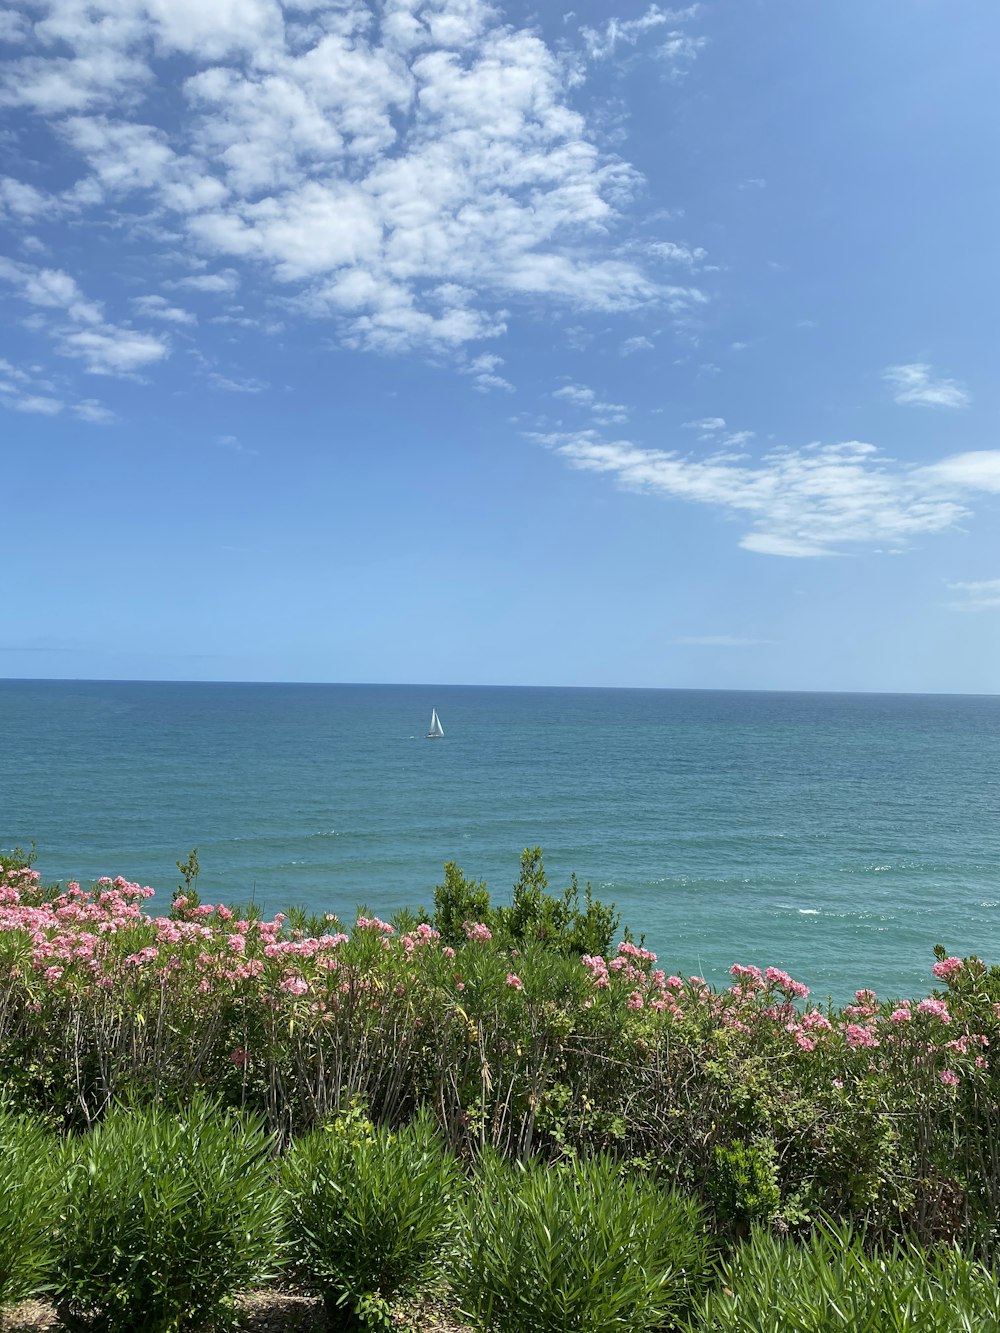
[
  {"x": 750, "y": 977},
  {"x": 476, "y": 930},
  {"x": 900, "y": 1016},
  {"x": 635, "y": 1000},
  {"x": 856, "y": 1035},
  {"x": 949, "y": 1078},
  {"x": 238, "y": 1056},
  {"x": 294, "y": 986},
  {"x": 237, "y": 943},
  {"x": 936, "y": 1008},
  {"x": 947, "y": 967},
  {"x": 514, "y": 981}
]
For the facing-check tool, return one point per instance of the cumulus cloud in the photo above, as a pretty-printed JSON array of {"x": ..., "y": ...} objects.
[
  {"x": 918, "y": 385},
  {"x": 77, "y": 325},
  {"x": 808, "y": 502},
  {"x": 409, "y": 171}
]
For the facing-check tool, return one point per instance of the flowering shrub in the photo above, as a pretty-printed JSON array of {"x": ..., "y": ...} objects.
[{"x": 885, "y": 1112}]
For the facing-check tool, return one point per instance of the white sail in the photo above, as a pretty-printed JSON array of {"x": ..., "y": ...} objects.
[{"x": 435, "y": 730}]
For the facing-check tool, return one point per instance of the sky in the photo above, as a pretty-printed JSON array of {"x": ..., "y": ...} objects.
[{"x": 435, "y": 340}]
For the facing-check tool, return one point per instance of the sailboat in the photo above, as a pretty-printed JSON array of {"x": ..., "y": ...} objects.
[{"x": 435, "y": 730}]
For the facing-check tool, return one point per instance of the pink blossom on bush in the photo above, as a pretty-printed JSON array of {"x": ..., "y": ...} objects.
[
  {"x": 514, "y": 981},
  {"x": 635, "y": 1000},
  {"x": 476, "y": 930},
  {"x": 949, "y": 1078},
  {"x": 947, "y": 967},
  {"x": 856, "y": 1035},
  {"x": 900, "y": 1016},
  {"x": 936, "y": 1008}
]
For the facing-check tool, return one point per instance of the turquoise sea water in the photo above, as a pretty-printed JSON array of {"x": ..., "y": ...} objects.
[{"x": 837, "y": 836}]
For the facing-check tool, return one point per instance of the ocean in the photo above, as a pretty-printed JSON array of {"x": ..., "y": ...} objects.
[{"x": 839, "y": 836}]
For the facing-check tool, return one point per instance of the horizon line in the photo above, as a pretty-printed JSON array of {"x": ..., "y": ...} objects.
[{"x": 459, "y": 685}]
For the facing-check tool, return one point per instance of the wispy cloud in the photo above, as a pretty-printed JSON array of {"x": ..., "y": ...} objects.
[
  {"x": 582, "y": 397},
  {"x": 917, "y": 384},
  {"x": 638, "y": 343},
  {"x": 158, "y": 307},
  {"x": 675, "y": 47},
  {"x": 807, "y": 502},
  {"x": 983, "y": 595}
]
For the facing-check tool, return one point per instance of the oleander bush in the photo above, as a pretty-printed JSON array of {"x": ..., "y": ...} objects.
[
  {"x": 165, "y": 1218},
  {"x": 576, "y": 1246},
  {"x": 370, "y": 1213},
  {"x": 832, "y": 1283},
  {"x": 523, "y": 1036},
  {"x": 29, "y": 1206}
]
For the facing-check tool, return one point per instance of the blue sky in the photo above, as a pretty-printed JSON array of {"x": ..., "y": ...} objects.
[{"x": 461, "y": 342}]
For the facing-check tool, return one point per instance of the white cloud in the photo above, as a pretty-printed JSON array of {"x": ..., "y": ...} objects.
[
  {"x": 706, "y": 424},
  {"x": 983, "y": 595},
  {"x": 79, "y": 329},
  {"x": 409, "y": 171},
  {"x": 580, "y": 396},
  {"x": 38, "y": 403},
  {"x": 223, "y": 283},
  {"x": 917, "y": 384},
  {"x": 111, "y": 350},
  {"x": 808, "y": 502},
  {"x": 638, "y": 343},
  {"x": 685, "y": 255},
  {"x": 233, "y": 384},
  {"x": 978, "y": 470},
  {"x": 22, "y": 201},
  {"x": 94, "y": 412},
  {"x": 157, "y": 307},
  {"x": 677, "y": 48}
]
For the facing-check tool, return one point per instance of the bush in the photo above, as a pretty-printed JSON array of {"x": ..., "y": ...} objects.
[
  {"x": 370, "y": 1212},
  {"x": 743, "y": 1183},
  {"x": 829, "y": 1283},
  {"x": 577, "y": 1246},
  {"x": 29, "y": 1204},
  {"x": 165, "y": 1219}
]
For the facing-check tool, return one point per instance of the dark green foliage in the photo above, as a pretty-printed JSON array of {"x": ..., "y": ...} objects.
[
  {"x": 370, "y": 1212},
  {"x": 190, "y": 870},
  {"x": 535, "y": 916},
  {"x": 556, "y": 921},
  {"x": 16, "y": 858},
  {"x": 743, "y": 1183},
  {"x": 29, "y": 1206},
  {"x": 458, "y": 900},
  {"x": 165, "y": 1219},
  {"x": 830, "y": 1284},
  {"x": 578, "y": 1246}
]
